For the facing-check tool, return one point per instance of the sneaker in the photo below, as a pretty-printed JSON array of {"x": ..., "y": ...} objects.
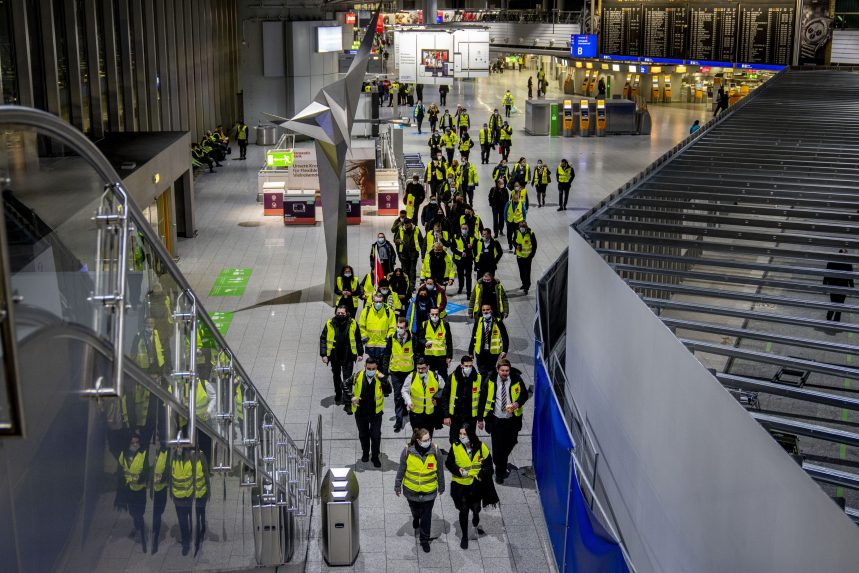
[
  {"x": 425, "y": 546},
  {"x": 365, "y": 458},
  {"x": 377, "y": 463}
]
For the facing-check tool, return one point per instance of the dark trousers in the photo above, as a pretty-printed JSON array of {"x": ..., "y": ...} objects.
[
  {"x": 422, "y": 511},
  {"x": 505, "y": 435},
  {"x": 370, "y": 433},
  {"x": 465, "y": 500},
  {"x": 835, "y": 315},
  {"x": 563, "y": 194},
  {"x": 450, "y": 151},
  {"x": 505, "y": 150},
  {"x": 433, "y": 123},
  {"x": 200, "y": 511},
  {"x": 511, "y": 232},
  {"x": 340, "y": 371},
  {"x": 484, "y": 153},
  {"x": 410, "y": 268},
  {"x": 496, "y": 133},
  {"x": 159, "y": 504},
  {"x": 463, "y": 273},
  {"x": 529, "y": 92},
  {"x": 498, "y": 220},
  {"x": 507, "y": 110},
  {"x": 397, "y": 381},
  {"x": 243, "y": 148},
  {"x": 541, "y": 194},
  {"x": 463, "y": 156},
  {"x": 442, "y": 99},
  {"x": 524, "y": 271},
  {"x": 183, "y": 514},
  {"x": 425, "y": 421},
  {"x": 378, "y": 353},
  {"x": 420, "y": 123},
  {"x": 136, "y": 509},
  {"x": 485, "y": 362}
]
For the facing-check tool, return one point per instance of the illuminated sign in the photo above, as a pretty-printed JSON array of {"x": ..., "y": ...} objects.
[
  {"x": 583, "y": 45},
  {"x": 279, "y": 158}
]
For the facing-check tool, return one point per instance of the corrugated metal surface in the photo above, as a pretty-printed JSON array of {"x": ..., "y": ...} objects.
[
  {"x": 529, "y": 35},
  {"x": 845, "y": 47}
]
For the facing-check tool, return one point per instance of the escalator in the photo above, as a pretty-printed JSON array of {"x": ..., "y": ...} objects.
[{"x": 131, "y": 438}]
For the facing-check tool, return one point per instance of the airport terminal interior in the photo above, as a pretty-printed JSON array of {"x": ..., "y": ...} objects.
[{"x": 254, "y": 316}]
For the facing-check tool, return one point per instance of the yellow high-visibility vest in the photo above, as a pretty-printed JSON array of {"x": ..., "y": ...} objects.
[
  {"x": 330, "y": 334},
  {"x": 421, "y": 476},
  {"x": 496, "y": 343},
  {"x": 377, "y": 325},
  {"x": 402, "y": 356},
  {"x": 187, "y": 479},
  {"x": 475, "y": 394},
  {"x": 515, "y": 212},
  {"x": 523, "y": 244},
  {"x": 159, "y": 481},
  {"x": 358, "y": 387},
  {"x": 132, "y": 472},
  {"x": 483, "y": 134},
  {"x": 565, "y": 175},
  {"x": 437, "y": 339},
  {"x": 422, "y": 398},
  {"x": 472, "y": 464},
  {"x": 515, "y": 392}
]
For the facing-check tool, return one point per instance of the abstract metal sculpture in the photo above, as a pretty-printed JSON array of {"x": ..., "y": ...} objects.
[{"x": 328, "y": 120}]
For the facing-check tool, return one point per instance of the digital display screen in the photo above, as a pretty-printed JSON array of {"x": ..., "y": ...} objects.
[
  {"x": 329, "y": 39},
  {"x": 434, "y": 59},
  {"x": 583, "y": 45}
]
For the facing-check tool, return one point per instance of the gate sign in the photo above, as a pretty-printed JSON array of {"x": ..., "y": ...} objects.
[{"x": 583, "y": 45}]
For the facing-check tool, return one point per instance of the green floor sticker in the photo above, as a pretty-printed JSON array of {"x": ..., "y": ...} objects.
[
  {"x": 222, "y": 321},
  {"x": 231, "y": 282}
]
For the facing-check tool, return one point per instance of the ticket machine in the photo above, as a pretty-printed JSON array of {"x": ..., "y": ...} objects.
[
  {"x": 568, "y": 118},
  {"x": 586, "y": 82},
  {"x": 584, "y": 119},
  {"x": 627, "y": 87},
  {"x": 633, "y": 93},
  {"x": 592, "y": 87},
  {"x": 601, "y": 118},
  {"x": 655, "y": 92},
  {"x": 666, "y": 91}
]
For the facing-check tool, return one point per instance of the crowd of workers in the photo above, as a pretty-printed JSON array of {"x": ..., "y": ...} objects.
[{"x": 214, "y": 146}]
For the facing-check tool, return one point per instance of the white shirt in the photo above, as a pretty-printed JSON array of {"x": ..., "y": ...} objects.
[
  {"x": 502, "y": 385},
  {"x": 406, "y": 392}
]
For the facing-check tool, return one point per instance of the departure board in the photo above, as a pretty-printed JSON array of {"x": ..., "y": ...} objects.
[
  {"x": 664, "y": 31},
  {"x": 621, "y": 29},
  {"x": 712, "y": 33},
  {"x": 766, "y": 34}
]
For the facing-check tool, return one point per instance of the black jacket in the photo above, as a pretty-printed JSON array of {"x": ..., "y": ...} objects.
[
  {"x": 342, "y": 348},
  {"x": 505, "y": 339},
  {"x": 515, "y": 378}
]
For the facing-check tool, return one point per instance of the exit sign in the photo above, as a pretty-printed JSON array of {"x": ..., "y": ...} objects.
[{"x": 279, "y": 158}]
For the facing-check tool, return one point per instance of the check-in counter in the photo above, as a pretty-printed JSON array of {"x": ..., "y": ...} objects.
[
  {"x": 272, "y": 193},
  {"x": 388, "y": 192},
  {"x": 353, "y": 207},
  {"x": 299, "y": 207}
]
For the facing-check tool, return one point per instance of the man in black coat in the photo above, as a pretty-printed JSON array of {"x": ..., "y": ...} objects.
[
  {"x": 339, "y": 346},
  {"x": 504, "y": 394},
  {"x": 837, "y": 281}
]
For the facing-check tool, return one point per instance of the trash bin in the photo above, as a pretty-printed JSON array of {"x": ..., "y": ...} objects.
[
  {"x": 340, "y": 534},
  {"x": 265, "y": 134}
]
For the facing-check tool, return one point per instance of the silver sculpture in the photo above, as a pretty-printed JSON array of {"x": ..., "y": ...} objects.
[{"x": 328, "y": 120}]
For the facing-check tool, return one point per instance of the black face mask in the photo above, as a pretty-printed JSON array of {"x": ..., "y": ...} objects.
[{"x": 340, "y": 319}]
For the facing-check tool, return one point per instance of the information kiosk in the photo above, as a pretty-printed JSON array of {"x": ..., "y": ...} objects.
[
  {"x": 666, "y": 91},
  {"x": 633, "y": 93},
  {"x": 584, "y": 119},
  {"x": 627, "y": 87},
  {"x": 569, "y": 129},
  {"x": 586, "y": 82},
  {"x": 601, "y": 118},
  {"x": 592, "y": 87},
  {"x": 655, "y": 92}
]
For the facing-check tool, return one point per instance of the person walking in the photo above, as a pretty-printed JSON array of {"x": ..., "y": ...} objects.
[
  {"x": 463, "y": 121},
  {"x": 464, "y": 246},
  {"x": 489, "y": 339},
  {"x": 526, "y": 247},
  {"x": 383, "y": 258},
  {"x": 420, "y": 478},
  {"x": 838, "y": 282},
  {"x": 467, "y": 178},
  {"x": 399, "y": 362},
  {"x": 242, "y": 138},
  {"x": 435, "y": 343},
  {"x": 565, "y": 174},
  {"x": 721, "y": 101},
  {"x": 442, "y": 94},
  {"x": 505, "y": 395},
  {"x": 377, "y": 323},
  {"x": 521, "y": 175},
  {"x": 507, "y": 102},
  {"x": 347, "y": 289},
  {"x": 540, "y": 180},
  {"x": 495, "y": 122},
  {"x": 419, "y": 113},
  {"x": 160, "y": 481},
  {"x": 461, "y": 397},
  {"x": 414, "y": 197},
  {"x": 340, "y": 345},
  {"x": 530, "y": 86},
  {"x": 189, "y": 481},
  {"x": 485, "y": 139},
  {"x": 435, "y": 174},
  {"x": 364, "y": 395},
  {"x": 438, "y": 264},
  {"x": 465, "y": 145},
  {"x": 487, "y": 254},
  {"x": 601, "y": 89},
  {"x": 446, "y": 120},
  {"x": 498, "y": 198},
  {"x": 432, "y": 115},
  {"x": 542, "y": 84},
  {"x": 488, "y": 290},
  {"x": 449, "y": 140},
  {"x": 132, "y": 478},
  {"x": 515, "y": 212},
  {"x": 422, "y": 393},
  {"x": 505, "y": 140},
  {"x": 409, "y": 241},
  {"x": 470, "y": 467}
]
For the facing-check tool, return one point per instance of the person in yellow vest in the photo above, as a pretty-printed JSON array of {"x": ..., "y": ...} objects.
[
  {"x": 504, "y": 395},
  {"x": 399, "y": 362},
  {"x": 484, "y": 137},
  {"x": 467, "y": 180},
  {"x": 446, "y": 120},
  {"x": 364, "y": 394},
  {"x": 434, "y": 142},
  {"x": 507, "y": 102},
  {"x": 413, "y": 198},
  {"x": 463, "y": 247},
  {"x": 340, "y": 344},
  {"x": 347, "y": 290},
  {"x": 526, "y": 248},
  {"x": 470, "y": 465},
  {"x": 131, "y": 490},
  {"x": 139, "y": 406},
  {"x": 565, "y": 174},
  {"x": 489, "y": 340},
  {"x": 434, "y": 342},
  {"x": 521, "y": 174},
  {"x": 377, "y": 323},
  {"x": 189, "y": 485},
  {"x": 449, "y": 140},
  {"x": 420, "y": 478},
  {"x": 410, "y": 243},
  {"x": 438, "y": 264},
  {"x": 435, "y": 174},
  {"x": 390, "y": 299},
  {"x": 422, "y": 392},
  {"x": 495, "y": 126},
  {"x": 515, "y": 212},
  {"x": 505, "y": 140},
  {"x": 242, "y": 138},
  {"x": 488, "y": 290},
  {"x": 540, "y": 180},
  {"x": 463, "y": 121},
  {"x": 462, "y": 397},
  {"x": 158, "y": 493},
  {"x": 395, "y": 93}
]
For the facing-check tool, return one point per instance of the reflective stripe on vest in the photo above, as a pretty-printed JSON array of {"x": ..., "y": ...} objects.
[
  {"x": 358, "y": 387},
  {"x": 376, "y": 324},
  {"x": 436, "y": 338},
  {"x": 541, "y": 176},
  {"x": 422, "y": 401},
  {"x": 565, "y": 175},
  {"x": 478, "y": 288},
  {"x": 475, "y": 394},
  {"x": 515, "y": 391},
  {"x": 242, "y": 132},
  {"x": 484, "y": 136},
  {"x": 515, "y": 213},
  {"x": 421, "y": 476},
  {"x": 473, "y": 465},
  {"x": 184, "y": 483},
  {"x": 523, "y": 240},
  {"x": 495, "y": 341},
  {"x": 143, "y": 354},
  {"x": 132, "y": 472},
  {"x": 402, "y": 356}
]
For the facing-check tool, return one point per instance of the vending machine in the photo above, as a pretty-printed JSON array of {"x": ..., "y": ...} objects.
[
  {"x": 586, "y": 82},
  {"x": 666, "y": 91},
  {"x": 601, "y": 118},
  {"x": 592, "y": 87},
  {"x": 634, "y": 91},
  {"x": 655, "y": 92},
  {"x": 584, "y": 119},
  {"x": 627, "y": 87},
  {"x": 568, "y": 118}
]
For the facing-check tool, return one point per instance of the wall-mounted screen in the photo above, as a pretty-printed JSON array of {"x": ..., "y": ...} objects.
[
  {"x": 329, "y": 39},
  {"x": 583, "y": 45}
]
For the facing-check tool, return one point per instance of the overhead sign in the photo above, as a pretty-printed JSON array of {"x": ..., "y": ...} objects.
[
  {"x": 279, "y": 158},
  {"x": 583, "y": 45}
]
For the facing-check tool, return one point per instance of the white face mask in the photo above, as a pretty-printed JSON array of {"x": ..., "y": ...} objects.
[
  {"x": 464, "y": 440},
  {"x": 347, "y": 275},
  {"x": 464, "y": 231},
  {"x": 434, "y": 319},
  {"x": 425, "y": 443},
  {"x": 377, "y": 305},
  {"x": 400, "y": 331},
  {"x": 423, "y": 375},
  {"x": 381, "y": 240},
  {"x": 385, "y": 291},
  {"x": 466, "y": 370},
  {"x": 487, "y": 315},
  {"x": 370, "y": 373}
]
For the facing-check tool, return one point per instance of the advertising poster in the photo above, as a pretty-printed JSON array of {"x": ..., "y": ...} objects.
[
  {"x": 435, "y": 58},
  {"x": 360, "y": 172},
  {"x": 815, "y": 31}
]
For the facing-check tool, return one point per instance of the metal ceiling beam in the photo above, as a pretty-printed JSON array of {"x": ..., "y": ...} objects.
[
  {"x": 744, "y": 209},
  {"x": 831, "y": 476},
  {"x": 803, "y": 394},
  {"x": 745, "y": 195},
  {"x": 805, "y": 429}
]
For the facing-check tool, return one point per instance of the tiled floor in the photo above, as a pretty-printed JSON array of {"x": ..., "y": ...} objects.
[{"x": 277, "y": 340}]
